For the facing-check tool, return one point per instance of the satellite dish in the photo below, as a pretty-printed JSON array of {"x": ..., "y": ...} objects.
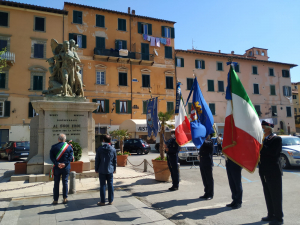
[{"x": 155, "y": 52}]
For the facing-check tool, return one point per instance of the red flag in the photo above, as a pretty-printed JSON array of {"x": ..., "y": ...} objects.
[{"x": 182, "y": 126}]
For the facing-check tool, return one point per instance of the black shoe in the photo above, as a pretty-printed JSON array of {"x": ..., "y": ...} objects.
[
  {"x": 231, "y": 204},
  {"x": 267, "y": 218},
  {"x": 209, "y": 198},
  {"x": 236, "y": 206},
  {"x": 276, "y": 222},
  {"x": 204, "y": 196},
  {"x": 173, "y": 189}
]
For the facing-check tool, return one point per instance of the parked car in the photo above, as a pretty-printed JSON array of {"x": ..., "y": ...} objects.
[
  {"x": 188, "y": 152},
  {"x": 290, "y": 155},
  {"x": 136, "y": 145},
  {"x": 15, "y": 149}
]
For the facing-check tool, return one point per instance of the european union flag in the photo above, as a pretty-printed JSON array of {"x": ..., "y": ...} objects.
[{"x": 202, "y": 125}]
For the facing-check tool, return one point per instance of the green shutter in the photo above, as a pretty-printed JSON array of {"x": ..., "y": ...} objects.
[
  {"x": 100, "y": 21},
  {"x": 149, "y": 29},
  {"x": 182, "y": 62},
  {"x": 168, "y": 52},
  {"x": 124, "y": 44},
  {"x": 212, "y": 108},
  {"x": 116, "y": 44},
  {"x": 203, "y": 64},
  {"x": 100, "y": 42},
  {"x": 7, "y": 109},
  {"x": 190, "y": 107},
  {"x": 170, "y": 106},
  {"x": 162, "y": 31},
  {"x": 124, "y": 25},
  {"x": 83, "y": 41},
  {"x": 2, "y": 79},
  {"x": 175, "y": 61},
  {"x": 119, "y": 24},
  {"x": 71, "y": 36},
  {"x": 196, "y": 64},
  {"x": 117, "y": 106},
  {"x": 75, "y": 16},
  {"x": 145, "y": 107},
  {"x": 129, "y": 110},
  {"x": 30, "y": 110},
  {"x": 210, "y": 85},
  {"x": 172, "y": 32},
  {"x": 140, "y": 28},
  {"x": 94, "y": 100},
  {"x": 106, "y": 105}
]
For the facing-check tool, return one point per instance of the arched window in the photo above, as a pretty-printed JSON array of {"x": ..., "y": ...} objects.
[
  {"x": 257, "y": 52},
  {"x": 263, "y": 53},
  {"x": 250, "y": 53}
]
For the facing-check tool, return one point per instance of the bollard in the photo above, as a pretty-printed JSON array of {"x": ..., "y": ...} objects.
[
  {"x": 145, "y": 165},
  {"x": 72, "y": 189},
  {"x": 179, "y": 171}
]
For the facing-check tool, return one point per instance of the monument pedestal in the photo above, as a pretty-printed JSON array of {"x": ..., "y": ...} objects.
[{"x": 71, "y": 116}]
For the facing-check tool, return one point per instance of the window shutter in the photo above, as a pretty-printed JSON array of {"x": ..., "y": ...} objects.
[
  {"x": 3, "y": 19},
  {"x": 30, "y": 110},
  {"x": 117, "y": 106},
  {"x": 203, "y": 64},
  {"x": 119, "y": 24},
  {"x": 145, "y": 107},
  {"x": 2, "y": 80},
  {"x": 71, "y": 36},
  {"x": 83, "y": 41},
  {"x": 124, "y": 44},
  {"x": 283, "y": 73},
  {"x": 212, "y": 108},
  {"x": 176, "y": 61},
  {"x": 172, "y": 32},
  {"x": 100, "y": 21},
  {"x": 289, "y": 91},
  {"x": 7, "y": 109},
  {"x": 149, "y": 29},
  {"x": 129, "y": 107},
  {"x": 75, "y": 16},
  {"x": 162, "y": 31},
  {"x": 106, "y": 105},
  {"x": 116, "y": 44},
  {"x": 182, "y": 62},
  {"x": 3, "y": 44},
  {"x": 237, "y": 68},
  {"x": 100, "y": 42},
  {"x": 189, "y": 108},
  {"x": 40, "y": 84},
  {"x": 196, "y": 64},
  {"x": 140, "y": 28},
  {"x": 124, "y": 25}
]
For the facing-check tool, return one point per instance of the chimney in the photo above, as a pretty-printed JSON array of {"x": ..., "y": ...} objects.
[
  {"x": 219, "y": 51},
  {"x": 128, "y": 10},
  {"x": 133, "y": 12},
  {"x": 232, "y": 52}
]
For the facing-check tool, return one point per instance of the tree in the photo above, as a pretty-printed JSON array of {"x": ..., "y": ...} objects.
[
  {"x": 121, "y": 135},
  {"x": 2, "y": 59},
  {"x": 164, "y": 118}
]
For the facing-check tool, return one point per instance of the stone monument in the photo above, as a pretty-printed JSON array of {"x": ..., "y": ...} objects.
[{"x": 64, "y": 109}]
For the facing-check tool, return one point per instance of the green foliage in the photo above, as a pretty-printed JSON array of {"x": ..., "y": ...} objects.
[
  {"x": 124, "y": 153},
  {"x": 281, "y": 132},
  {"x": 76, "y": 149},
  {"x": 2, "y": 59},
  {"x": 213, "y": 135},
  {"x": 121, "y": 135},
  {"x": 159, "y": 158}
]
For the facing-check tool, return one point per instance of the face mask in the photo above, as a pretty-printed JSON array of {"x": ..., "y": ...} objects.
[{"x": 173, "y": 135}]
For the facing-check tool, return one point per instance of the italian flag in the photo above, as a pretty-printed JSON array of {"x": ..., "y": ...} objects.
[
  {"x": 243, "y": 135},
  {"x": 182, "y": 126}
]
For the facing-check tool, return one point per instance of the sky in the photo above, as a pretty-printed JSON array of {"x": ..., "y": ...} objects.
[{"x": 234, "y": 25}]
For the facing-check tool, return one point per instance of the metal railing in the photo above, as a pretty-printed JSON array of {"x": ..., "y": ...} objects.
[
  {"x": 131, "y": 55},
  {"x": 9, "y": 56}
]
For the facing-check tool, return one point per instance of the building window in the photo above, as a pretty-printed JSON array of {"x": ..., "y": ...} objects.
[
  {"x": 39, "y": 23},
  {"x": 38, "y": 48},
  {"x": 31, "y": 111},
  {"x": 250, "y": 53},
  {"x": 257, "y": 108},
  {"x": 4, "y": 80},
  {"x": 199, "y": 64},
  {"x": 263, "y": 53},
  {"x": 120, "y": 44},
  {"x": 294, "y": 96},
  {"x": 4, "y": 19},
  {"x": 287, "y": 91},
  {"x": 1, "y": 109},
  {"x": 254, "y": 69},
  {"x": 285, "y": 73},
  {"x": 170, "y": 106},
  {"x": 79, "y": 39},
  {"x": 169, "y": 82},
  {"x": 272, "y": 90},
  {"x": 168, "y": 52},
  {"x": 122, "y": 79},
  {"x": 144, "y": 28},
  {"x": 237, "y": 68},
  {"x": 256, "y": 89},
  {"x": 210, "y": 85},
  {"x": 295, "y": 110},
  {"x": 180, "y": 62},
  {"x": 145, "y": 80},
  {"x": 271, "y": 72},
  {"x": 274, "y": 110},
  {"x": 100, "y": 21},
  {"x": 257, "y": 52},
  {"x": 100, "y": 77},
  {"x": 221, "y": 86},
  {"x": 37, "y": 78},
  {"x": 77, "y": 17},
  {"x": 121, "y": 24},
  {"x": 296, "y": 87},
  {"x": 189, "y": 82},
  {"x": 38, "y": 51},
  {"x": 145, "y": 103},
  {"x": 212, "y": 108},
  {"x": 167, "y": 32},
  {"x": 100, "y": 42},
  {"x": 219, "y": 66},
  {"x": 3, "y": 45},
  {"x": 101, "y": 106},
  {"x": 288, "y": 111},
  {"x": 123, "y": 107},
  {"x": 38, "y": 82}
]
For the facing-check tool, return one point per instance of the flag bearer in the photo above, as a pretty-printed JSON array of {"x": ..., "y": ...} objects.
[{"x": 270, "y": 173}]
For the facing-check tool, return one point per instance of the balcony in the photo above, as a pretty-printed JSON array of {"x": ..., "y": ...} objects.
[
  {"x": 9, "y": 57},
  {"x": 113, "y": 55}
]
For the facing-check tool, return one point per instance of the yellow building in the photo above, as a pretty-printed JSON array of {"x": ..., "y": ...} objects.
[
  {"x": 296, "y": 103},
  {"x": 119, "y": 66},
  {"x": 267, "y": 83},
  {"x": 26, "y": 32}
]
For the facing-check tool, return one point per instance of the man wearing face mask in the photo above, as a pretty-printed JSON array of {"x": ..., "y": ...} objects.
[
  {"x": 270, "y": 173},
  {"x": 172, "y": 150}
]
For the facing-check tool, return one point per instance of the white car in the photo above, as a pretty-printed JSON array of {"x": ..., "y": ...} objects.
[
  {"x": 290, "y": 155},
  {"x": 188, "y": 152}
]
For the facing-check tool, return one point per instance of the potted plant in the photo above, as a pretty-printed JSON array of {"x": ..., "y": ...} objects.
[
  {"x": 160, "y": 164},
  {"x": 76, "y": 165},
  {"x": 21, "y": 168},
  {"x": 121, "y": 135}
]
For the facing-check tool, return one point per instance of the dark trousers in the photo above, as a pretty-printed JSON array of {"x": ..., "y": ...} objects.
[
  {"x": 208, "y": 180},
  {"x": 219, "y": 149},
  {"x": 234, "y": 173},
  {"x": 173, "y": 167},
  {"x": 109, "y": 179},
  {"x": 65, "y": 176},
  {"x": 272, "y": 185}
]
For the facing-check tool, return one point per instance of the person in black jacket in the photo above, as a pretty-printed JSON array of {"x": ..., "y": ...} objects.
[
  {"x": 105, "y": 165},
  {"x": 61, "y": 154},
  {"x": 172, "y": 150},
  {"x": 270, "y": 173},
  {"x": 206, "y": 164}
]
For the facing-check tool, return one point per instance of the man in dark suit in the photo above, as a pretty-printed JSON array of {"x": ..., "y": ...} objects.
[
  {"x": 206, "y": 164},
  {"x": 61, "y": 154},
  {"x": 105, "y": 165},
  {"x": 270, "y": 173}
]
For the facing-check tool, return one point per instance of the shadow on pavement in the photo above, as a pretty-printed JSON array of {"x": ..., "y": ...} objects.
[
  {"x": 107, "y": 216},
  {"x": 143, "y": 194},
  {"x": 255, "y": 223},
  {"x": 173, "y": 203}
]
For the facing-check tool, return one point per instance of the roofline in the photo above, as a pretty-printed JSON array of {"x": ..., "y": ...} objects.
[
  {"x": 122, "y": 13},
  {"x": 234, "y": 57},
  {"x": 295, "y": 83},
  {"x": 258, "y": 48},
  {"x": 32, "y": 7}
]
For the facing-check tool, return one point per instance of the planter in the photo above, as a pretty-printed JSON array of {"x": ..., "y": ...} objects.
[
  {"x": 21, "y": 168},
  {"x": 122, "y": 160},
  {"x": 77, "y": 166},
  {"x": 161, "y": 170}
]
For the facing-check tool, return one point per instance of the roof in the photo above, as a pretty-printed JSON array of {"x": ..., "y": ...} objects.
[
  {"x": 234, "y": 56},
  {"x": 33, "y": 7},
  {"x": 122, "y": 13},
  {"x": 257, "y": 47},
  {"x": 297, "y": 83}
]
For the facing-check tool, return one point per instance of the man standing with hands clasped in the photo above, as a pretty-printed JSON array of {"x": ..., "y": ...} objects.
[{"x": 105, "y": 165}]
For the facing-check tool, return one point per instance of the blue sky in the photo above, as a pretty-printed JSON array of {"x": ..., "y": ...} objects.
[{"x": 215, "y": 25}]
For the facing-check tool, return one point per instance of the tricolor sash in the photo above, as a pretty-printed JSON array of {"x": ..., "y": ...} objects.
[{"x": 58, "y": 156}]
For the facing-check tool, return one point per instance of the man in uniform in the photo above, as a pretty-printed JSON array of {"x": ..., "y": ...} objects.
[
  {"x": 270, "y": 173},
  {"x": 172, "y": 149},
  {"x": 206, "y": 164},
  {"x": 219, "y": 141},
  {"x": 61, "y": 154}
]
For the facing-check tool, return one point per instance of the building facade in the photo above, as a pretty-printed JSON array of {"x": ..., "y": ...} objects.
[
  {"x": 267, "y": 83},
  {"x": 25, "y": 32},
  {"x": 296, "y": 103}
]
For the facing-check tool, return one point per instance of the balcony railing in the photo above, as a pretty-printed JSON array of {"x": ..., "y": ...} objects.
[{"x": 8, "y": 56}]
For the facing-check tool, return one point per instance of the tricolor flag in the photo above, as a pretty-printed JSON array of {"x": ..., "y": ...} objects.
[
  {"x": 243, "y": 134},
  {"x": 182, "y": 126}
]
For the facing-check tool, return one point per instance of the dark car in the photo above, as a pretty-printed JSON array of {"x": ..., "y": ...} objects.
[
  {"x": 15, "y": 149},
  {"x": 136, "y": 145}
]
